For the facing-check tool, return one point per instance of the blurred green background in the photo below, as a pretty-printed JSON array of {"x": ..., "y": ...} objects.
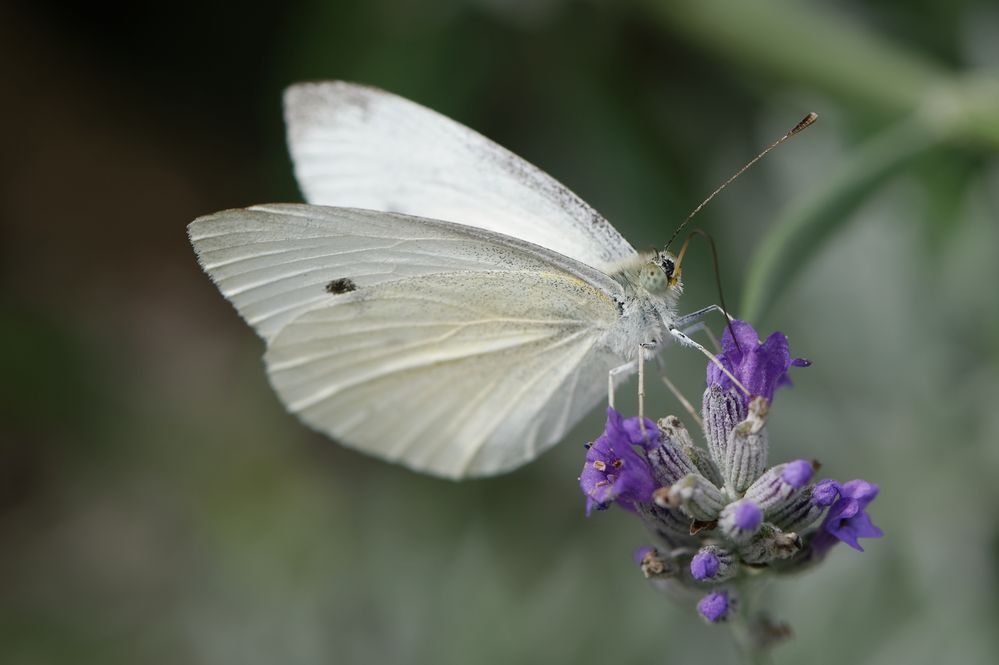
[{"x": 157, "y": 505}]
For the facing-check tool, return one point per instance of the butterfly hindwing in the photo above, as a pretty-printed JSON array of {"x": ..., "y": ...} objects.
[{"x": 458, "y": 374}]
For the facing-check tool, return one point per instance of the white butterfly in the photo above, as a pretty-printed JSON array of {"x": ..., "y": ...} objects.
[{"x": 440, "y": 302}]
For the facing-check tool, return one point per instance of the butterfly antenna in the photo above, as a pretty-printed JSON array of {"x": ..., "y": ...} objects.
[
  {"x": 805, "y": 122},
  {"x": 718, "y": 282}
]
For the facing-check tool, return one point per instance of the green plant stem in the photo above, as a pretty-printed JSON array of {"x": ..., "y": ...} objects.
[
  {"x": 793, "y": 238},
  {"x": 752, "y": 650},
  {"x": 799, "y": 42},
  {"x": 805, "y": 44}
]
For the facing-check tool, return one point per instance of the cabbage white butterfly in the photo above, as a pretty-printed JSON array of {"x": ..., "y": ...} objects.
[{"x": 439, "y": 302}]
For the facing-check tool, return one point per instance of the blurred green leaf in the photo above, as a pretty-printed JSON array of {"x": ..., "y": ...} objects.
[
  {"x": 807, "y": 44},
  {"x": 813, "y": 47},
  {"x": 797, "y": 235}
]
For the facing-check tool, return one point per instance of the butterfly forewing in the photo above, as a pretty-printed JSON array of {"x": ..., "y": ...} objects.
[
  {"x": 274, "y": 262},
  {"x": 362, "y": 147}
]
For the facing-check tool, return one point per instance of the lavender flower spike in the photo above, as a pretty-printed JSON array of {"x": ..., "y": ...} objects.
[
  {"x": 724, "y": 516},
  {"x": 614, "y": 471},
  {"x": 761, "y": 368}
]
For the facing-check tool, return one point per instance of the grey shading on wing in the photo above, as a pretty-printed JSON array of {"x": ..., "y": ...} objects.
[
  {"x": 362, "y": 147},
  {"x": 457, "y": 352}
]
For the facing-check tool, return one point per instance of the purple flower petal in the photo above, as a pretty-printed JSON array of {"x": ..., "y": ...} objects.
[
  {"x": 861, "y": 490},
  {"x": 744, "y": 334},
  {"x": 633, "y": 430},
  {"x": 614, "y": 471},
  {"x": 847, "y": 518},
  {"x": 850, "y": 530},
  {"x": 761, "y": 368}
]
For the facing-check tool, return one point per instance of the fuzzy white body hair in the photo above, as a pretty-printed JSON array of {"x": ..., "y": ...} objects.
[{"x": 648, "y": 311}]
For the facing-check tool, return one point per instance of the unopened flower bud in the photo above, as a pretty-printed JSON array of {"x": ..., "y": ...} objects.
[
  {"x": 798, "y": 473},
  {"x": 779, "y": 485},
  {"x": 826, "y": 492},
  {"x": 669, "y": 461},
  {"x": 712, "y": 564},
  {"x": 740, "y": 520},
  {"x": 695, "y": 495},
  {"x": 722, "y": 411},
  {"x": 717, "y": 606},
  {"x": 800, "y": 512},
  {"x": 746, "y": 453},
  {"x": 673, "y": 429}
]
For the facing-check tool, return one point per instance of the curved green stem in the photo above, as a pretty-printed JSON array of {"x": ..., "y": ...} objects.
[
  {"x": 795, "y": 237},
  {"x": 804, "y": 43}
]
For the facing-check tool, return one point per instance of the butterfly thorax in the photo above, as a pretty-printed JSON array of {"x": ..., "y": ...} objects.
[{"x": 651, "y": 294}]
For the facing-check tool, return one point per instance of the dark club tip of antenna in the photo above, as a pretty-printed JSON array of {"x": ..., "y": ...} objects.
[{"x": 805, "y": 122}]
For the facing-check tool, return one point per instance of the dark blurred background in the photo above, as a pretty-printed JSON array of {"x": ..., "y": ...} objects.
[{"x": 157, "y": 505}]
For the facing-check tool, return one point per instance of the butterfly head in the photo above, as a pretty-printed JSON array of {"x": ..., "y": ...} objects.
[{"x": 662, "y": 274}]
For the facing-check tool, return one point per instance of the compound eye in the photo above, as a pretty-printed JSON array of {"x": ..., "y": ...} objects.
[{"x": 668, "y": 267}]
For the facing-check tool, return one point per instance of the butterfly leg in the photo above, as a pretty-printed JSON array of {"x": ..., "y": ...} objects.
[
  {"x": 642, "y": 350},
  {"x": 700, "y": 326},
  {"x": 626, "y": 369},
  {"x": 679, "y": 335},
  {"x": 689, "y": 319},
  {"x": 615, "y": 376},
  {"x": 688, "y": 407},
  {"x": 641, "y": 387},
  {"x": 691, "y": 323}
]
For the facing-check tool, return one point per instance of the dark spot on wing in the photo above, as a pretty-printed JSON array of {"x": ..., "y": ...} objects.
[
  {"x": 342, "y": 285},
  {"x": 620, "y": 306}
]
